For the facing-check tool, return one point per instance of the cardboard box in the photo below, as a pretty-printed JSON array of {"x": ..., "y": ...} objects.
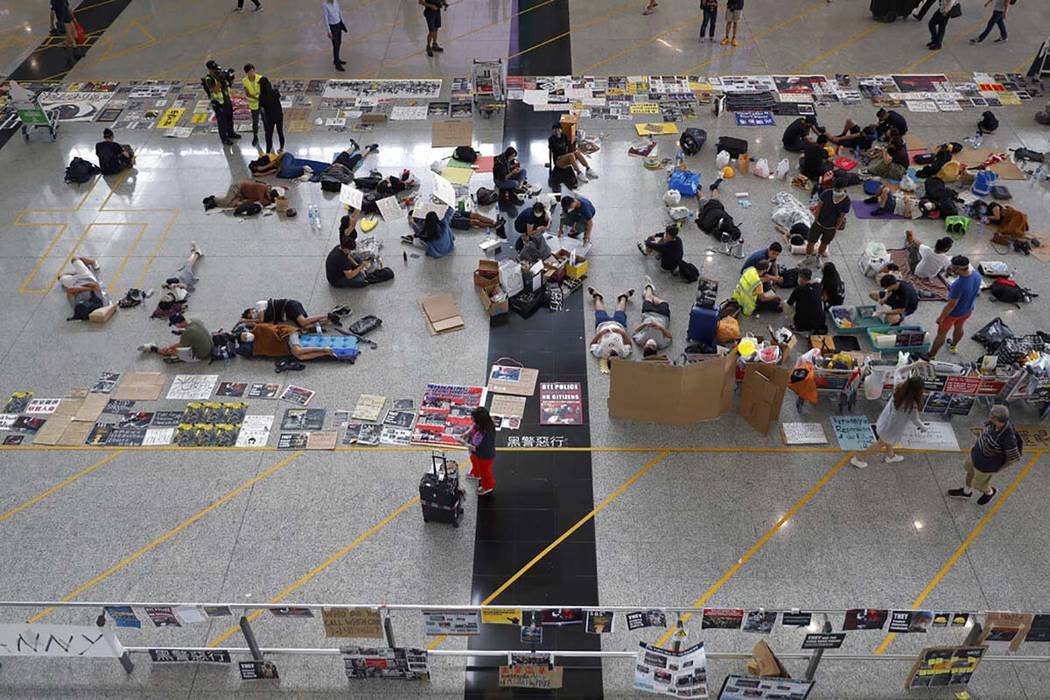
[
  {"x": 441, "y": 314},
  {"x": 577, "y": 270},
  {"x": 761, "y": 395},
  {"x": 554, "y": 269},
  {"x": 569, "y": 122},
  {"x": 532, "y": 278},
  {"x": 492, "y": 307},
  {"x": 672, "y": 395},
  {"x": 373, "y": 118},
  {"x": 487, "y": 275},
  {"x": 103, "y": 313}
]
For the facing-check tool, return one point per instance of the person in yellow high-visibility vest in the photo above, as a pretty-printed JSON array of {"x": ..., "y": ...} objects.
[
  {"x": 750, "y": 293},
  {"x": 251, "y": 89},
  {"x": 217, "y": 84}
]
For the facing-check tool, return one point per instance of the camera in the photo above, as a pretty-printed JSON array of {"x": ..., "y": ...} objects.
[{"x": 225, "y": 74}]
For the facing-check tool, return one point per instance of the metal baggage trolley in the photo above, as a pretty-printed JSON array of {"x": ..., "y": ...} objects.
[
  {"x": 31, "y": 113},
  {"x": 840, "y": 385},
  {"x": 487, "y": 81}
]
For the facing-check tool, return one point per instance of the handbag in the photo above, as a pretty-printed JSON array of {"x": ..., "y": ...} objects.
[
  {"x": 955, "y": 12},
  {"x": 80, "y": 34}
]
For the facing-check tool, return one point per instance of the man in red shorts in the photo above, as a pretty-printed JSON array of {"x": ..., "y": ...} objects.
[{"x": 962, "y": 297}]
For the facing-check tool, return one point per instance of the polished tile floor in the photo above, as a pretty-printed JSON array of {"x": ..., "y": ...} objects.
[{"x": 725, "y": 527}]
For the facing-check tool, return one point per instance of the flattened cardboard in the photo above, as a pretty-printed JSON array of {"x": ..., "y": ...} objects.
[
  {"x": 659, "y": 393},
  {"x": 761, "y": 395},
  {"x": 92, "y": 408},
  {"x": 441, "y": 314},
  {"x": 524, "y": 385},
  {"x": 451, "y": 133},
  {"x": 141, "y": 386},
  {"x": 57, "y": 423},
  {"x": 322, "y": 440},
  {"x": 76, "y": 433}
]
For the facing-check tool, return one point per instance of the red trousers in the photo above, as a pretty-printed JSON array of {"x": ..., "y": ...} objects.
[{"x": 482, "y": 468}]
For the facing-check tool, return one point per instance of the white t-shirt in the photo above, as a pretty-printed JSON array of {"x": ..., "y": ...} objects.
[
  {"x": 931, "y": 263},
  {"x": 610, "y": 342}
]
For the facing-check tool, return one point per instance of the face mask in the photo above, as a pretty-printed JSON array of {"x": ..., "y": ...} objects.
[{"x": 840, "y": 193}]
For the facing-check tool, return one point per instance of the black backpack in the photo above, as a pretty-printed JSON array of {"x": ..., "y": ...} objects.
[
  {"x": 465, "y": 154},
  {"x": 486, "y": 197},
  {"x": 692, "y": 140},
  {"x": 335, "y": 176},
  {"x": 788, "y": 278},
  {"x": 1007, "y": 291},
  {"x": 687, "y": 272},
  {"x": 80, "y": 171},
  {"x": 383, "y": 274},
  {"x": 710, "y": 216},
  {"x": 82, "y": 309},
  {"x": 248, "y": 209},
  {"x": 988, "y": 123}
]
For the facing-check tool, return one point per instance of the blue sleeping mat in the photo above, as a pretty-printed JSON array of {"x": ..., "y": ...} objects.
[{"x": 344, "y": 345}]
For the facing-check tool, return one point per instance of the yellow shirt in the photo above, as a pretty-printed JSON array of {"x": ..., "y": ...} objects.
[{"x": 251, "y": 89}]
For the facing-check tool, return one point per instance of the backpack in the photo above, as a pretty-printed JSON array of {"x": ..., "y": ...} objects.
[
  {"x": 788, "y": 278},
  {"x": 465, "y": 154},
  {"x": 1027, "y": 154},
  {"x": 335, "y": 176},
  {"x": 223, "y": 346},
  {"x": 1008, "y": 291},
  {"x": 383, "y": 274},
  {"x": 367, "y": 183},
  {"x": 248, "y": 209},
  {"x": 687, "y": 272},
  {"x": 692, "y": 140},
  {"x": 80, "y": 171},
  {"x": 365, "y": 325},
  {"x": 710, "y": 216},
  {"x": 486, "y": 197},
  {"x": 82, "y": 310},
  {"x": 988, "y": 123}
]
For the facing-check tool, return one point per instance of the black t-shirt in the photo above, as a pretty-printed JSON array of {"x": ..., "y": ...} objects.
[
  {"x": 895, "y": 121},
  {"x": 283, "y": 311},
  {"x": 109, "y": 153},
  {"x": 336, "y": 264},
  {"x": 809, "y": 311},
  {"x": 670, "y": 252},
  {"x": 795, "y": 133},
  {"x": 899, "y": 155},
  {"x": 559, "y": 145},
  {"x": 527, "y": 218},
  {"x": 500, "y": 168},
  {"x": 904, "y": 297},
  {"x": 830, "y": 210},
  {"x": 813, "y": 158}
]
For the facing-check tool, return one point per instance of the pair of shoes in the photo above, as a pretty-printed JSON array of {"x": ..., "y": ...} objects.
[
  {"x": 591, "y": 175},
  {"x": 148, "y": 347},
  {"x": 288, "y": 365}
]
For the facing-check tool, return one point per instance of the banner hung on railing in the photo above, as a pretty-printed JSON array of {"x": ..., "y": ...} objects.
[{"x": 58, "y": 640}]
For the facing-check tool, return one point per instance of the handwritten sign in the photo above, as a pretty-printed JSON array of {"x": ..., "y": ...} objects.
[
  {"x": 58, "y": 640},
  {"x": 360, "y": 623},
  {"x": 530, "y": 676},
  {"x": 852, "y": 432},
  {"x": 171, "y": 118}
]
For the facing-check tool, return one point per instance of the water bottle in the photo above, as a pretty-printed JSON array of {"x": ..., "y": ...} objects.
[
  {"x": 978, "y": 139},
  {"x": 310, "y": 214},
  {"x": 317, "y": 218}
]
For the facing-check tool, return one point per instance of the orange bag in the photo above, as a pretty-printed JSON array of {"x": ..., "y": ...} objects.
[
  {"x": 78, "y": 30},
  {"x": 806, "y": 387}
]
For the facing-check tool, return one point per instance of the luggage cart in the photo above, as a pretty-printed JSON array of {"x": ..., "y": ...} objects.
[
  {"x": 31, "y": 113},
  {"x": 840, "y": 385},
  {"x": 487, "y": 80}
]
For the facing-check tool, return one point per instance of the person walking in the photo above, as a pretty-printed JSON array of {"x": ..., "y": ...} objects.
[
  {"x": 902, "y": 408},
  {"x": 829, "y": 217},
  {"x": 65, "y": 23},
  {"x": 962, "y": 297},
  {"x": 650, "y": 8},
  {"x": 710, "y": 10},
  {"x": 432, "y": 15},
  {"x": 217, "y": 85},
  {"x": 240, "y": 6},
  {"x": 481, "y": 441},
  {"x": 251, "y": 90},
  {"x": 998, "y": 447},
  {"x": 334, "y": 25},
  {"x": 272, "y": 113},
  {"x": 938, "y": 25},
  {"x": 998, "y": 18},
  {"x": 734, "y": 10},
  {"x": 926, "y": 5}
]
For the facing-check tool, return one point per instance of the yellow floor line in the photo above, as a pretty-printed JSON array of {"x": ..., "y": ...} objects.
[
  {"x": 835, "y": 49},
  {"x": 60, "y": 485},
  {"x": 321, "y": 567},
  {"x": 691, "y": 21},
  {"x": 958, "y": 39},
  {"x": 593, "y": 22},
  {"x": 954, "y": 558},
  {"x": 762, "y": 541},
  {"x": 230, "y": 495},
  {"x": 620, "y": 490}
]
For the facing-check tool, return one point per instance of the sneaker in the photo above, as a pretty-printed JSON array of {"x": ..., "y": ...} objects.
[
  {"x": 959, "y": 493},
  {"x": 591, "y": 174},
  {"x": 733, "y": 42},
  {"x": 194, "y": 248},
  {"x": 895, "y": 459},
  {"x": 582, "y": 178},
  {"x": 95, "y": 266},
  {"x": 975, "y": 41},
  {"x": 339, "y": 67},
  {"x": 437, "y": 48},
  {"x": 258, "y": 8},
  {"x": 725, "y": 42},
  {"x": 953, "y": 348},
  {"x": 1000, "y": 40},
  {"x": 430, "y": 52},
  {"x": 859, "y": 464},
  {"x": 485, "y": 492},
  {"x": 407, "y": 239},
  {"x": 986, "y": 497},
  {"x": 148, "y": 347}
]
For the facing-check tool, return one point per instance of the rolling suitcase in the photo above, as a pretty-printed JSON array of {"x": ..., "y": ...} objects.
[
  {"x": 733, "y": 146},
  {"x": 703, "y": 324},
  {"x": 439, "y": 492}
]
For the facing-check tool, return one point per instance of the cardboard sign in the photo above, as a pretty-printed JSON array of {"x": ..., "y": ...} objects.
[
  {"x": 451, "y": 133},
  {"x": 508, "y": 379},
  {"x": 831, "y": 640},
  {"x": 1003, "y": 630},
  {"x": 853, "y": 433},
  {"x": 451, "y": 622},
  {"x": 672, "y": 395},
  {"x": 530, "y": 676},
  {"x": 441, "y": 314},
  {"x": 58, "y": 640},
  {"x": 359, "y": 623},
  {"x": 762, "y": 394}
]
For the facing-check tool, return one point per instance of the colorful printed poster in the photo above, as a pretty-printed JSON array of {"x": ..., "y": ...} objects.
[
  {"x": 451, "y": 622},
  {"x": 758, "y": 688},
  {"x": 123, "y": 616},
  {"x": 646, "y": 618},
  {"x": 910, "y": 621},
  {"x": 561, "y": 403},
  {"x": 667, "y": 672},
  {"x": 163, "y": 616},
  {"x": 385, "y": 663},
  {"x": 501, "y": 616},
  {"x": 600, "y": 622},
  {"x": 444, "y": 414},
  {"x": 865, "y": 619},
  {"x": 939, "y": 667},
  {"x": 722, "y": 618},
  {"x": 760, "y": 621}
]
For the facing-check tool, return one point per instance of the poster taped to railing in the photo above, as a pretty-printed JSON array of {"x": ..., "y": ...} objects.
[
  {"x": 530, "y": 676},
  {"x": 682, "y": 674},
  {"x": 755, "y": 688},
  {"x": 58, "y": 640},
  {"x": 356, "y": 623},
  {"x": 451, "y": 622},
  {"x": 385, "y": 663},
  {"x": 939, "y": 667},
  {"x": 189, "y": 656},
  {"x": 646, "y": 618}
]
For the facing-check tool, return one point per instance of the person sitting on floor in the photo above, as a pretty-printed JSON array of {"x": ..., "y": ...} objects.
[
  {"x": 564, "y": 154},
  {"x": 807, "y": 301},
  {"x": 926, "y": 262},
  {"x": 280, "y": 340},
  {"x": 81, "y": 284},
  {"x": 112, "y": 156},
  {"x": 195, "y": 342},
  {"x": 814, "y": 162},
  {"x": 891, "y": 162},
  {"x": 890, "y": 119},
  {"x": 853, "y": 136},
  {"x": 796, "y": 135},
  {"x": 833, "y": 289},
  {"x": 900, "y": 204},
  {"x": 178, "y": 287},
  {"x": 898, "y": 298},
  {"x": 770, "y": 253},
  {"x": 290, "y": 311},
  {"x": 509, "y": 176},
  {"x": 578, "y": 213},
  {"x": 343, "y": 268},
  {"x": 432, "y": 232},
  {"x": 667, "y": 246},
  {"x": 941, "y": 157},
  {"x": 532, "y": 223},
  {"x": 610, "y": 332},
  {"x": 750, "y": 293},
  {"x": 243, "y": 192},
  {"x": 652, "y": 334}
]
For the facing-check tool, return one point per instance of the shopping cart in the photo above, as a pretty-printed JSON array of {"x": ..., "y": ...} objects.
[
  {"x": 487, "y": 80},
  {"x": 839, "y": 385}
]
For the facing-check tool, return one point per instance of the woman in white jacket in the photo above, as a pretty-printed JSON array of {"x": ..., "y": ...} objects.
[{"x": 903, "y": 407}]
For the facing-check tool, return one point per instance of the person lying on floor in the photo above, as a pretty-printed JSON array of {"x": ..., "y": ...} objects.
[
  {"x": 194, "y": 345},
  {"x": 854, "y": 136},
  {"x": 243, "y": 192},
  {"x": 287, "y": 311},
  {"x": 667, "y": 246},
  {"x": 280, "y": 340},
  {"x": 652, "y": 334},
  {"x": 901, "y": 204},
  {"x": 178, "y": 287},
  {"x": 941, "y": 157},
  {"x": 897, "y": 297},
  {"x": 924, "y": 261},
  {"x": 81, "y": 282},
  {"x": 610, "y": 332},
  {"x": 433, "y": 233},
  {"x": 112, "y": 156}
]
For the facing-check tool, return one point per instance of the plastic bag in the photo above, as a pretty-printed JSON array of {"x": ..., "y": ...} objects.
[
  {"x": 438, "y": 166},
  {"x": 873, "y": 384},
  {"x": 672, "y": 198},
  {"x": 685, "y": 181},
  {"x": 783, "y": 168},
  {"x": 788, "y": 211},
  {"x": 875, "y": 258},
  {"x": 993, "y": 334},
  {"x": 908, "y": 183},
  {"x": 680, "y": 213},
  {"x": 722, "y": 159},
  {"x": 761, "y": 168}
]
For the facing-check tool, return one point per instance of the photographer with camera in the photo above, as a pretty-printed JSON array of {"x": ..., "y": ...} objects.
[
  {"x": 217, "y": 84},
  {"x": 432, "y": 14}
]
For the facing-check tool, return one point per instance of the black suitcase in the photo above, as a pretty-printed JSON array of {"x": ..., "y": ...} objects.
[
  {"x": 526, "y": 304},
  {"x": 692, "y": 140},
  {"x": 439, "y": 492},
  {"x": 734, "y": 146}
]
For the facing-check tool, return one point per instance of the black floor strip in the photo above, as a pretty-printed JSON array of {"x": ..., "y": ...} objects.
[{"x": 538, "y": 496}]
